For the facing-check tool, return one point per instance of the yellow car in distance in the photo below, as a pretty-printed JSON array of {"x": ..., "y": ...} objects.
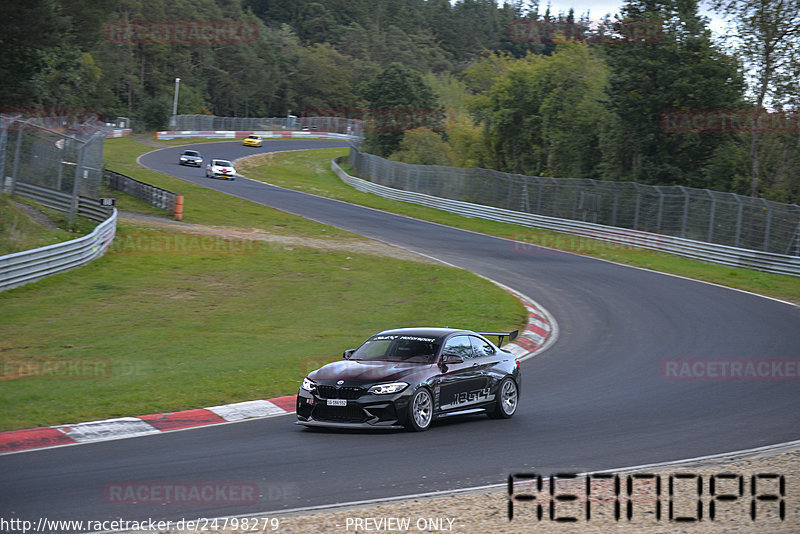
[{"x": 252, "y": 140}]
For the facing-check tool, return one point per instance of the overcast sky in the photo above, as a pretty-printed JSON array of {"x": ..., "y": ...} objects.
[{"x": 599, "y": 8}]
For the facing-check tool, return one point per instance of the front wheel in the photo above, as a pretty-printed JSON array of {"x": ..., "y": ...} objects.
[
  {"x": 420, "y": 411},
  {"x": 507, "y": 400}
]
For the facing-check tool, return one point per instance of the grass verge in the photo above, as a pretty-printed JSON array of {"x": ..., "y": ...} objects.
[{"x": 19, "y": 232}]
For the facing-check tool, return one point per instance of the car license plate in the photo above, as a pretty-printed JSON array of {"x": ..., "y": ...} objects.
[{"x": 337, "y": 402}]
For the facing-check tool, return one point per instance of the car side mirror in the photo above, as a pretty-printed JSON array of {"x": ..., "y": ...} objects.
[
  {"x": 348, "y": 353},
  {"x": 452, "y": 358}
]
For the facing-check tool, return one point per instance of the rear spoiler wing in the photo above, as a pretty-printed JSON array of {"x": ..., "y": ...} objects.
[{"x": 511, "y": 335}]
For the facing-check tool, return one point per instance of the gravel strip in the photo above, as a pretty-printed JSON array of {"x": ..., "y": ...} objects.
[
  {"x": 486, "y": 511},
  {"x": 37, "y": 216}
]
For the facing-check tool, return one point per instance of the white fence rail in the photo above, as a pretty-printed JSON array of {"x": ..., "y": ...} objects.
[
  {"x": 726, "y": 255},
  {"x": 30, "y": 265}
]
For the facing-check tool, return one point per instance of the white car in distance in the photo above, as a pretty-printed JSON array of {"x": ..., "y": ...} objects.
[{"x": 220, "y": 168}]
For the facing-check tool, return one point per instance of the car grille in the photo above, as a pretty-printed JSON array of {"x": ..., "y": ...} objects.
[
  {"x": 339, "y": 414},
  {"x": 332, "y": 392}
]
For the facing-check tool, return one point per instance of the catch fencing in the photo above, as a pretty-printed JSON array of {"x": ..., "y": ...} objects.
[
  {"x": 55, "y": 160},
  {"x": 60, "y": 154},
  {"x": 688, "y": 213}
]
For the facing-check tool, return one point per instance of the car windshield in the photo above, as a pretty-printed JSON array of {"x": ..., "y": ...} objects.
[
  {"x": 252, "y": 137},
  {"x": 222, "y": 163},
  {"x": 398, "y": 348},
  {"x": 191, "y": 153}
]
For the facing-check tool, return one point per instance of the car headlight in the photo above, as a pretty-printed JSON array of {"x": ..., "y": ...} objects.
[
  {"x": 308, "y": 385},
  {"x": 385, "y": 389}
]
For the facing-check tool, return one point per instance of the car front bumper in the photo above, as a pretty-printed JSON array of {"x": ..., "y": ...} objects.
[{"x": 366, "y": 411}]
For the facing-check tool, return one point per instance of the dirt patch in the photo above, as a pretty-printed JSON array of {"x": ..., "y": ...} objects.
[
  {"x": 356, "y": 246},
  {"x": 36, "y": 216},
  {"x": 248, "y": 163}
]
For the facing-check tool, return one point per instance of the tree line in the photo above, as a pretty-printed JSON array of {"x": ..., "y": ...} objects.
[{"x": 525, "y": 90}]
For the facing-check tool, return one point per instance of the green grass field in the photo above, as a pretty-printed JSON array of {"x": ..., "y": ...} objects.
[
  {"x": 167, "y": 321},
  {"x": 18, "y": 232}
]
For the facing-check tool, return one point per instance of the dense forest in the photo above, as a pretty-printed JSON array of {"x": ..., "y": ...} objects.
[{"x": 647, "y": 94}]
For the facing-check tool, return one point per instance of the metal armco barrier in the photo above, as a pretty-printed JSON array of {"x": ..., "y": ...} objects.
[
  {"x": 722, "y": 254},
  {"x": 87, "y": 207},
  {"x": 31, "y": 265},
  {"x": 160, "y": 198},
  {"x": 688, "y": 213}
]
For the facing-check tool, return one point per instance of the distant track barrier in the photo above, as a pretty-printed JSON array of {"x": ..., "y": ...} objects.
[
  {"x": 710, "y": 252},
  {"x": 240, "y": 134},
  {"x": 155, "y": 196}
]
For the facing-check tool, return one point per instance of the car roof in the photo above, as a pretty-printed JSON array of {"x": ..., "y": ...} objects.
[{"x": 424, "y": 331}]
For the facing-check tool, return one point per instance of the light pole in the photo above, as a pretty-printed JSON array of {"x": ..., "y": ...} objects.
[{"x": 175, "y": 103}]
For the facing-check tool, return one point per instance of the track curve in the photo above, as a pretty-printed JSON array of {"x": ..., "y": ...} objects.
[{"x": 595, "y": 400}]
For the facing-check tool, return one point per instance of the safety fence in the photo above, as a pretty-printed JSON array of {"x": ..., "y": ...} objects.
[
  {"x": 695, "y": 214},
  {"x": 155, "y": 196},
  {"x": 31, "y": 265},
  {"x": 716, "y": 253},
  {"x": 340, "y": 125},
  {"x": 62, "y": 154}
]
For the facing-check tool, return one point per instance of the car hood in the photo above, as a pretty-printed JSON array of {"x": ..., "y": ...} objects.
[{"x": 357, "y": 371}]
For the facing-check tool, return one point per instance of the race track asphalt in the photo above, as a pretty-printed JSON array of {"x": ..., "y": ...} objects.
[{"x": 595, "y": 400}]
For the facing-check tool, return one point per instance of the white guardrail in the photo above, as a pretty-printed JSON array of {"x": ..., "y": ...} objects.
[
  {"x": 30, "y": 265},
  {"x": 239, "y": 134},
  {"x": 710, "y": 252}
]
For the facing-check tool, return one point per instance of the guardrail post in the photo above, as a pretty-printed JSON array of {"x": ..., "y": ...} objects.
[
  {"x": 555, "y": 197},
  {"x": 3, "y": 141},
  {"x": 660, "y": 209},
  {"x": 768, "y": 226},
  {"x": 76, "y": 187},
  {"x": 538, "y": 195},
  {"x": 738, "y": 221},
  {"x": 17, "y": 149},
  {"x": 796, "y": 238},
  {"x": 711, "y": 215},
  {"x": 685, "y": 210}
]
